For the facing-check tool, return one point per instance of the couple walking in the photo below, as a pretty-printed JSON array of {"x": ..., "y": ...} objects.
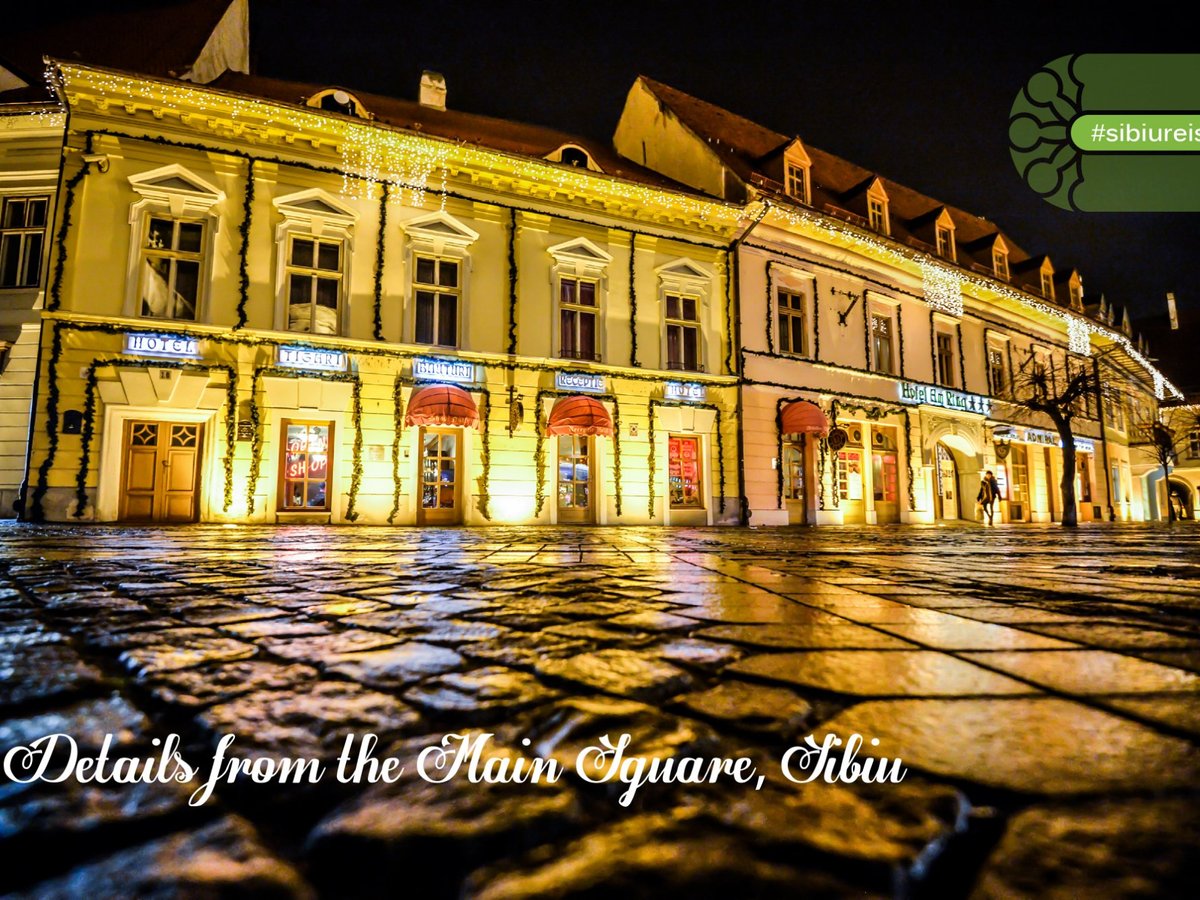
[{"x": 989, "y": 493}]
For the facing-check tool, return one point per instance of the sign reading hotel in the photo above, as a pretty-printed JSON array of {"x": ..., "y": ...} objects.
[
  {"x": 172, "y": 346},
  {"x": 931, "y": 395},
  {"x": 579, "y": 381},
  {"x": 455, "y": 370},
  {"x": 688, "y": 393},
  {"x": 311, "y": 358}
]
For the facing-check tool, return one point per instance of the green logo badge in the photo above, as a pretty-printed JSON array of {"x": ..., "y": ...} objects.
[{"x": 1111, "y": 132}]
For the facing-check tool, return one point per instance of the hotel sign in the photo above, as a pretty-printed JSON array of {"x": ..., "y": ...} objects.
[
  {"x": 932, "y": 395},
  {"x": 312, "y": 358},
  {"x": 688, "y": 393},
  {"x": 455, "y": 370},
  {"x": 172, "y": 346},
  {"x": 579, "y": 381}
]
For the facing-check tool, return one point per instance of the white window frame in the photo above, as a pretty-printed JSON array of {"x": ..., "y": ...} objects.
[
  {"x": 172, "y": 192},
  {"x": 313, "y": 214},
  {"x": 878, "y": 216},
  {"x": 7, "y": 196},
  {"x": 803, "y": 284},
  {"x": 685, "y": 278},
  {"x": 442, "y": 236},
  {"x": 1047, "y": 280},
  {"x": 883, "y": 307},
  {"x": 943, "y": 328},
  {"x": 796, "y": 181},
  {"x": 1000, "y": 261},
  {"x": 945, "y": 243},
  {"x": 582, "y": 260},
  {"x": 1000, "y": 345}
]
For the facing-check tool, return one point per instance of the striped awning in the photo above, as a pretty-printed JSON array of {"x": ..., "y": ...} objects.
[
  {"x": 442, "y": 404},
  {"x": 579, "y": 415},
  {"x": 803, "y": 417}
]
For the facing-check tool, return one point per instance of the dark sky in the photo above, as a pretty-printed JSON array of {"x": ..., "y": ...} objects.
[{"x": 920, "y": 94}]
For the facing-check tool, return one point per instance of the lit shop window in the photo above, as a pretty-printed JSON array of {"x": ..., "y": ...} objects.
[
  {"x": 171, "y": 258},
  {"x": 314, "y": 274},
  {"x": 850, "y": 474},
  {"x": 307, "y": 462},
  {"x": 437, "y": 292},
  {"x": 683, "y": 470},
  {"x": 884, "y": 470},
  {"x": 22, "y": 234}
]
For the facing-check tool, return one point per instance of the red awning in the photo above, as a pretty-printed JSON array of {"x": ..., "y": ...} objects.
[
  {"x": 802, "y": 417},
  {"x": 442, "y": 404},
  {"x": 579, "y": 415}
]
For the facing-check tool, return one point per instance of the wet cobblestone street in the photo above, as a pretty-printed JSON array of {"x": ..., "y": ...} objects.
[{"x": 1042, "y": 687}]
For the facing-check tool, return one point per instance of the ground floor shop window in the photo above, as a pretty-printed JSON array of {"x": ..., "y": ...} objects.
[
  {"x": 683, "y": 469},
  {"x": 884, "y": 471},
  {"x": 793, "y": 470},
  {"x": 307, "y": 463},
  {"x": 850, "y": 475}
]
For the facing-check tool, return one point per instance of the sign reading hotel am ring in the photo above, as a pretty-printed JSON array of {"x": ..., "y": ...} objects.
[
  {"x": 172, "y": 346},
  {"x": 455, "y": 370},
  {"x": 579, "y": 381},
  {"x": 311, "y": 358},
  {"x": 932, "y": 395},
  {"x": 688, "y": 393}
]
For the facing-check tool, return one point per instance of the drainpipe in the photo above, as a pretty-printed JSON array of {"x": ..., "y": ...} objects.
[
  {"x": 1112, "y": 514},
  {"x": 736, "y": 339}
]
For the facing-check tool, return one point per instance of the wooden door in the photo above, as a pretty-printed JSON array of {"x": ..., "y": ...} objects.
[
  {"x": 161, "y": 471},
  {"x": 947, "y": 484},
  {"x": 795, "y": 491},
  {"x": 576, "y": 503},
  {"x": 441, "y": 477}
]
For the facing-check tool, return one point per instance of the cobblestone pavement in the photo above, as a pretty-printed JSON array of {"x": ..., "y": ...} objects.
[{"x": 1041, "y": 686}]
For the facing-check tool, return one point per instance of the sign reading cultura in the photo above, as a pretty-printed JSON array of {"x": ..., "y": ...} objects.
[
  {"x": 312, "y": 358},
  {"x": 579, "y": 381},
  {"x": 932, "y": 395},
  {"x": 443, "y": 370},
  {"x": 689, "y": 393},
  {"x": 175, "y": 346}
]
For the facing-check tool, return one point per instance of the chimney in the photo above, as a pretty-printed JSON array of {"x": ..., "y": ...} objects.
[
  {"x": 433, "y": 90},
  {"x": 1172, "y": 312}
]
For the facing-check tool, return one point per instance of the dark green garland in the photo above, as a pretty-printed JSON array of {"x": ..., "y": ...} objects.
[
  {"x": 633, "y": 340},
  {"x": 512, "y": 282},
  {"x": 816, "y": 321},
  {"x": 779, "y": 404},
  {"x": 651, "y": 468},
  {"x": 485, "y": 478},
  {"x": 379, "y": 247},
  {"x": 397, "y": 432},
  {"x": 770, "y": 321},
  {"x": 539, "y": 453},
  {"x": 821, "y": 447},
  {"x": 244, "y": 249},
  {"x": 256, "y": 442},
  {"x": 60, "y": 261},
  {"x": 731, "y": 272},
  {"x": 829, "y": 365},
  {"x": 720, "y": 446},
  {"x": 36, "y": 512},
  {"x": 933, "y": 360},
  {"x": 867, "y": 325},
  {"x": 87, "y": 431},
  {"x": 962, "y": 363}
]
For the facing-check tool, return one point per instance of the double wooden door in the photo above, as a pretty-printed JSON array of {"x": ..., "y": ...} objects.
[{"x": 160, "y": 475}]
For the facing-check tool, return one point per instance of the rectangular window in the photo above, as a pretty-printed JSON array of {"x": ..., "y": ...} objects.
[
  {"x": 577, "y": 319},
  {"x": 796, "y": 182},
  {"x": 436, "y": 290},
  {"x": 1047, "y": 286},
  {"x": 22, "y": 240},
  {"x": 171, "y": 258},
  {"x": 881, "y": 344},
  {"x": 945, "y": 243},
  {"x": 1076, "y": 296},
  {"x": 683, "y": 333},
  {"x": 877, "y": 214},
  {"x": 850, "y": 474},
  {"x": 307, "y": 463},
  {"x": 945, "y": 359},
  {"x": 1194, "y": 444},
  {"x": 683, "y": 472},
  {"x": 791, "y": 323},
  {"x": 314, "y": 285},
  {"x": 1116, "y": 483},
  {"x": 1000, "y": 264},
  {"x": 998, "y": 371}
]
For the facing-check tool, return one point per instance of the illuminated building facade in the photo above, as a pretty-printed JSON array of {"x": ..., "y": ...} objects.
[
  {"x": 883, "y": 337},
  {"x": 288, "y": 303}
]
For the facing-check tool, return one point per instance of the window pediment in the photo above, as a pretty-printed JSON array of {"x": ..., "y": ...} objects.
[
  {"x": 683, "y": 270},
  {"x": 315, "y": 209},
  {"x": 440, "y": 229},
  {"x": 581, "y": 256},
  {"x": 175, "y": 187}
]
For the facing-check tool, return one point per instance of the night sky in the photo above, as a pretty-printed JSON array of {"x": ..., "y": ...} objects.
[{"x": 921, "y": 97}]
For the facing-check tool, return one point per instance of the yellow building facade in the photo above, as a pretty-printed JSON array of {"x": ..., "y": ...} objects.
[{"x": 331, "y": 310}]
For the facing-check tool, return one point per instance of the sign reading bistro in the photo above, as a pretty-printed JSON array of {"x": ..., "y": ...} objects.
[{"x": 932, "y": 395}]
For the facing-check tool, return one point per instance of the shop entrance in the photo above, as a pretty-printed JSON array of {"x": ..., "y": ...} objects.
[
  {"x": 160, "y": 476},
  {"x": 885, "y": 478},
  {"x": 441, "y": 471},
  {"x": 1018, "y": 483},
  {"x": 575, "y": 494},
  {"x": 946, "y": 483},
  {"x": 795, "y": 490}
]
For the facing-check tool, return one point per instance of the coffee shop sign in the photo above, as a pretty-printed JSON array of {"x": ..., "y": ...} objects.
[{"x": 932, "y": 395}]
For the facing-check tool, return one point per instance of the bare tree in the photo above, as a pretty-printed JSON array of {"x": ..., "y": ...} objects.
[
  {"x": 1162, "y": 439},
  {"x": 1037, "y": 390}
]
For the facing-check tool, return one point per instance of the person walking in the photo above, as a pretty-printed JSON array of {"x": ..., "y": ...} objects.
[{"x": 989, "y": 492}]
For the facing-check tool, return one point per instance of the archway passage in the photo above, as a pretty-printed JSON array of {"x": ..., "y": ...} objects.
[{"x": 1179, "y": 495}]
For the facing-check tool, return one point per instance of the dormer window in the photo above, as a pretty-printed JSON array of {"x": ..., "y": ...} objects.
[
  {"x": 336, "y": 100},
  {"x": 796, "y": 182},
  {"x": 877, "y": 208},
  {"x": 1075, "y": 290},
  {"x": 573, "y": 155},
  {"x": 1047, "y": 280},
  {"x": 1000, "y": 262}
]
